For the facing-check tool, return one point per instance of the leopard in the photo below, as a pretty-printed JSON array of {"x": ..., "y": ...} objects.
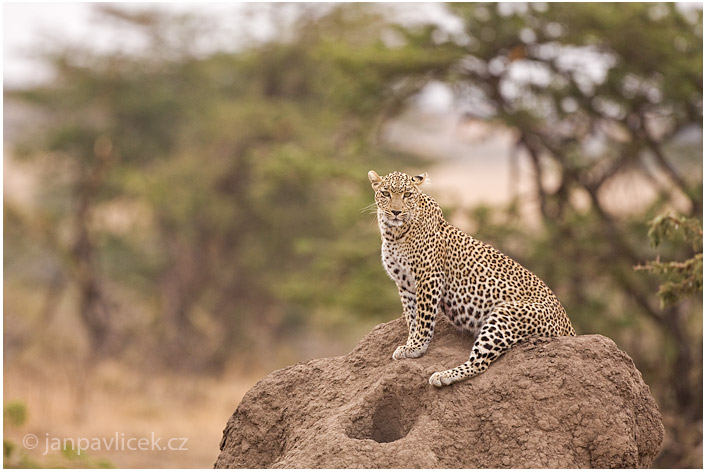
[{"x": 440, "y": 269}]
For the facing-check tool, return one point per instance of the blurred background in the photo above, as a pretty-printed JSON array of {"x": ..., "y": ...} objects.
[{"x": 186, "y": 196}]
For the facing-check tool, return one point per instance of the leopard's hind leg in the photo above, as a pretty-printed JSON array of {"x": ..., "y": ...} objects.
[{"x": 495, "y": 337}]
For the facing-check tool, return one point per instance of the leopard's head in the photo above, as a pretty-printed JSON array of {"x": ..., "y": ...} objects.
[{"x": 396, "y": 196}]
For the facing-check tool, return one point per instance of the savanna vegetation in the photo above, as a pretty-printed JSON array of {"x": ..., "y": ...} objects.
[{"x": 190, "y": 210}]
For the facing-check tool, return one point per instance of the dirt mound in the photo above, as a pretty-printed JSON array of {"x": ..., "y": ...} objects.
[{"x": 564, "y": 402}]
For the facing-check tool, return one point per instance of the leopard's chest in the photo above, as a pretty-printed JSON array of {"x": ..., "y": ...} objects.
[{"x": 398, "y": 266}]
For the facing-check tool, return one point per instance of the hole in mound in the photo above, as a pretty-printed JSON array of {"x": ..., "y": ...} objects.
[{"x": 387, "y": 423}]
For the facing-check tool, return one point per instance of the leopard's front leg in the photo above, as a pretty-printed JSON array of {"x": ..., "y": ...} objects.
[
  {"x": 408, "y": 298},
  {"x": 421, "y": 325}
]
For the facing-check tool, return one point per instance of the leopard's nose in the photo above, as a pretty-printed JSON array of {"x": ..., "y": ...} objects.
[{"x": 396, "y": 212}]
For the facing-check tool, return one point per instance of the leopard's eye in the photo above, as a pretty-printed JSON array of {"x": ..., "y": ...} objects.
[
  {"x": 407, "y": 194},
  {"x": 385, "y": 194}
]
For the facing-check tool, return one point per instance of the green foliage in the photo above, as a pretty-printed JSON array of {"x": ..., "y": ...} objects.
[
  {"x": 67, "y": 458},
  {"x": 15, "y": 414},
  {"x": 220, "y": 192},
  {"x": 600, "y": 95},
  {"x": 14, "y": 459},
  {"x": 81, "y": 460},
  {"x": 681, "y": 279},
  {"x": 671, "y": 226}
]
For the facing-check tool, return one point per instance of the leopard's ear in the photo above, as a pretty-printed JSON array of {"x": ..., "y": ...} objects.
[
  {"x": 375, "y": 179},
  {"x": 418, "y": 180}
]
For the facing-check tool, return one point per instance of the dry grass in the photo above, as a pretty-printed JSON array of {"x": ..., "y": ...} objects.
[{"x": 109, "y": 399}]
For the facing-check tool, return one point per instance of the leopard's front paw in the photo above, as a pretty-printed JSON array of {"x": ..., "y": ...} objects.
[
  {"x": 400, "y": 353},
  {"x": 440, "y": 379},
  {"x": 403, "y": 353}
]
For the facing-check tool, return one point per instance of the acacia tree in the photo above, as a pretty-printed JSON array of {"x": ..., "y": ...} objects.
[
  {"x": 595, "y": 92},
  {"x": 200, "y": 202}
]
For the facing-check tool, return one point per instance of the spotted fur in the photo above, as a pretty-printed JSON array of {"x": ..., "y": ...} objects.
[{"x": 438, "y": 268}]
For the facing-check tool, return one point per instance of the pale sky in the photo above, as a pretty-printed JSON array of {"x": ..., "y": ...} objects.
[{"x": 27, "y": 25}]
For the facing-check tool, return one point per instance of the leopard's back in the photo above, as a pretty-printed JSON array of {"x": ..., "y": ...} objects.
[{"x": 479, "y": 278}]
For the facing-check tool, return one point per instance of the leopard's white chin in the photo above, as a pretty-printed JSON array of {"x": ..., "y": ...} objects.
[{"x": 393, "y": 223}]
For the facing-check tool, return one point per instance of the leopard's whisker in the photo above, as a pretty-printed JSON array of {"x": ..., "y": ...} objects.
[{"x": 372, "y": 208}]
